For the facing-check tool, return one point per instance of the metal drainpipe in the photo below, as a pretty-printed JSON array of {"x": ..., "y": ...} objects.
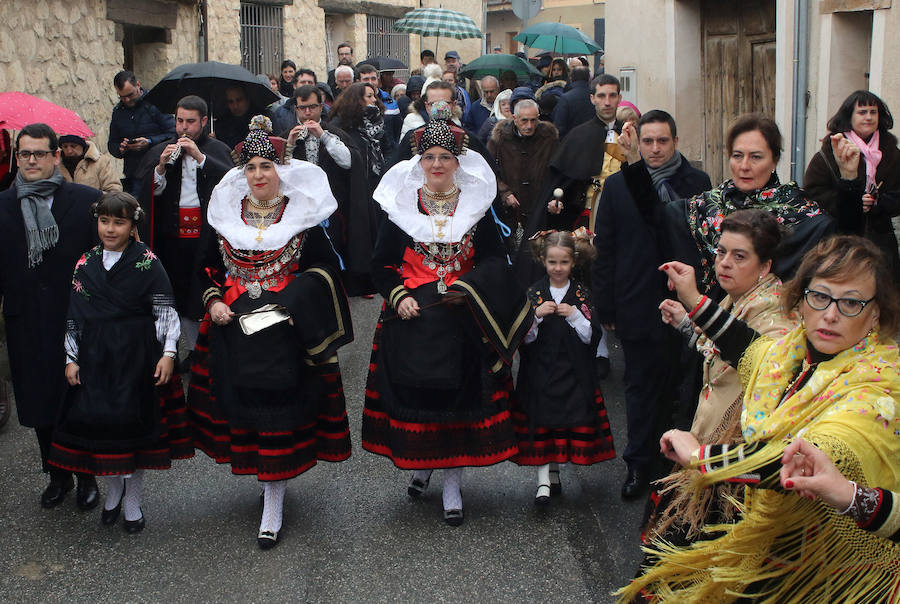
[
  {"x": 204, "y": 32},
  {"x": 801, "y": 70}
]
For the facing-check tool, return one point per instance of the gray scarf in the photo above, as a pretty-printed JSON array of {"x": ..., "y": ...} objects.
[
  {"x": 41, "y": 231},
  {"x": 661, "y": 175}
]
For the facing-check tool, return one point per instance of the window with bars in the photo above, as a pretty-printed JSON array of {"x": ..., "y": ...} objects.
[
  {"x": 262, "y": 37},
  {"x": 382, "y": 40}
]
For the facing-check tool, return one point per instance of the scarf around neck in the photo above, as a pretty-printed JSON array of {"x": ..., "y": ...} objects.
[
  {"x": 706, "y": 212},
  {"x": 871, "y": 152},
  {"x": 41, "y": 230},
  {"x": 661, "y": 175},
  {"x": 372, "y": 130}
]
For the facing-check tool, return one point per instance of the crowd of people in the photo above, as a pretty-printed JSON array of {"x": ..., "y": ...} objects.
[{"x": 497, "y": 219}]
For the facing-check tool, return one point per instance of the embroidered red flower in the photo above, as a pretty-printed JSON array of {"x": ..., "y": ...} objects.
[
  {"x": 585, "y": 311},
  {"x": 81, "y": 262},
  {"x": 767, "y": 193}
]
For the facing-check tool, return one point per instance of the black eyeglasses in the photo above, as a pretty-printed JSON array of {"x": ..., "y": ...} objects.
[
  {"x": 25, "y": 155},
  {"x": 312, "y": 107},
  {"x": 849, "y": 307}
]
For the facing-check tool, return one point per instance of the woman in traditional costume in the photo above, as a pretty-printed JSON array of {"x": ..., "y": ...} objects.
[
  {"x": 266, "y": 394},
  {"x": 834, "y": 381},
  {"x": 437, "y": 394},
  {"x": 745, "y": 253},
  {"x": 124, "y": 412}
]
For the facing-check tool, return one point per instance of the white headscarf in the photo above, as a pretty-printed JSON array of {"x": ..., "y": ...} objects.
[{"x": 503, "y": 96}]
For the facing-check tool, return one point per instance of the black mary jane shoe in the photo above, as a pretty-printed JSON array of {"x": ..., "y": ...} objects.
[
  {"x": 87, "y": 496},
  {"x": 453, "y": 517},
  {"x": 555, "y": 484},
  {"x": 55, "y": 492},
  {"x": 266, "y": 539},
  {"x": 416, "y": 486},
  {"x": 542, "y": 497},
  {"x": 135, "y": 526}
]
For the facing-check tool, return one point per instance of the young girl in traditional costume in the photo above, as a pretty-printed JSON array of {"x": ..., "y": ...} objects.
[
  {"x": 559, "y": 414},
  {"x": 124, "y": 412}
]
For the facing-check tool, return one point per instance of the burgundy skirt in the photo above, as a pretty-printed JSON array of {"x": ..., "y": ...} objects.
[
  {"x": 417, "y": 445},
  {"x": 174, "y": 443},
  {"x": 276, "y": 454},
  {"x": 583, "y": 445}
]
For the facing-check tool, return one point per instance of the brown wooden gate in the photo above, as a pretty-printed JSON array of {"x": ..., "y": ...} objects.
[{"x": 739, "y": 70}]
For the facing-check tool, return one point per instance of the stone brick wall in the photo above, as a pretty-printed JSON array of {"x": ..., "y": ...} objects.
[
  {"x": 304, "y": 35},
  {"x": 64, "y": 52},
  {"x": 224, "y": 27}
]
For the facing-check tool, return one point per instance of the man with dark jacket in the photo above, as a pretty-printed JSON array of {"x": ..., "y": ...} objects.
[
  {"x": 175, "y": 195},
  {"x": 521, "y": 149},
  {"x": 136, "y": 126},
  {"x": 45, "y": 227},
  {"x": 628, "y": 287},
  {"x": 352, "y": 228},
  {"x": 574, "y": 107}
]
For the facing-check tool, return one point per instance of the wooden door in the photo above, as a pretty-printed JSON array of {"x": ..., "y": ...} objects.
[{"x": 739, "y": 70}]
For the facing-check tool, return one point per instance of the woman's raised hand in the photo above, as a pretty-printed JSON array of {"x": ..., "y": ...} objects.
[
  {"x": 682, "y": 281},
  {"x": 846, "y": 154},
  {"x": 673, "y": 312},
  {"x": 677, "y": 446},
  {"x": 811, "y": 473}
]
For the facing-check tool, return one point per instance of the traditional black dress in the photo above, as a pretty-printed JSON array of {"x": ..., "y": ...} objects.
[
  {"x": 272, "y": 403},
  {"x": 558, "y": 410},
  {"x": 438, "y": 390},
  {"x": 116, "y": 421}
]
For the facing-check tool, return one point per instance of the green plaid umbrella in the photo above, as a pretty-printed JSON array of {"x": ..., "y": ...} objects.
[
  {"x": 558, "y": 37},
  {"x": 440, "y": 22}
]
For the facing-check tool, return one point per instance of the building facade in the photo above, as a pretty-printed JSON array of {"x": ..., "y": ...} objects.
[{"x": 707, "y": 61}]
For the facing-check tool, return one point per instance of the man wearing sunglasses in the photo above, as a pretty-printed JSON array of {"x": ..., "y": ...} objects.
[{"x": 45, "y": 227}]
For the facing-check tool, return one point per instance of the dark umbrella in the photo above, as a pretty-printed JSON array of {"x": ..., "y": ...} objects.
[
  {"x": 383, "y": 63},
  {"x": 495, "y": 64},
  {"x": 209, "y": 81},
  {"x": 558, "y": 37}
]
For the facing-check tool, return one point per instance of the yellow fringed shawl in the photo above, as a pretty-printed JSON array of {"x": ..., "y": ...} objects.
[{"x": 785, "y": 548}]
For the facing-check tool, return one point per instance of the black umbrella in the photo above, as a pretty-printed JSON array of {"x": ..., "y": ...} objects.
[
  {"x": 209, "y": 81},
  {"x": 383, "y": 63}
]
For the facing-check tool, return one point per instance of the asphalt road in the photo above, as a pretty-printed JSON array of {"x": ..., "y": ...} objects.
[{"x": 351, "y": 534}]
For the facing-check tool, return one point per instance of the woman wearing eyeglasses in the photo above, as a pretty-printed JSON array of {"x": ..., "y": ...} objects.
[{"x": 833, "y": 380}]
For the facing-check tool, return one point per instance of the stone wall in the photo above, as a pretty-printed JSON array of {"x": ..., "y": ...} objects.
[
  {"x": 64, "y": 52},
  {"x": 304, "y": 35},
  {"x": 224, "y": 27}
]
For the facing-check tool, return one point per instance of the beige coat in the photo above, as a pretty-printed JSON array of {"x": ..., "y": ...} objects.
[{"x": 95, "y": 170}]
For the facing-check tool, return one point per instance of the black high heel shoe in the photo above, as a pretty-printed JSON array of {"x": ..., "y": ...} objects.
[
  {"x": 109, "y": 517},
  {"x": 135, "y": 526},
  {"x": 416, "y": 486}
]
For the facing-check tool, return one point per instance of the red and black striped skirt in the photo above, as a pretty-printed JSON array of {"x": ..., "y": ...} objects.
[
  {"x": 583, "y": 445},
  {"x": 275, "y": 454},
  {"x": 174, "y": 443},
  {"x": 482, "y": 441}
]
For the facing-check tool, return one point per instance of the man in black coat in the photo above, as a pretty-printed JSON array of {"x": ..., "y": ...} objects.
[
  {"x": 353, "y": 227},
  {"x": 628, "y": 287},
  {"x": 175, "y": 195},
  {"x": 574, "y": 106},
  {"x": 136, "y": 126},
  {"x": 45, "y": 227}
]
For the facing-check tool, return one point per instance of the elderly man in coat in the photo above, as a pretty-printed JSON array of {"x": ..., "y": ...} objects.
[{"x": 521, "y": 149}]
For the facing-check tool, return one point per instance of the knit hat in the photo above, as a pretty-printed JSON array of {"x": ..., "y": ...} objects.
[
  {"x": 414, "y": 84},
  {"x": 73, "y": 138}
]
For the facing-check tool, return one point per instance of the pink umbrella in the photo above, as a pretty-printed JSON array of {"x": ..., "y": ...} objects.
[{"x": 18, "y": 109}]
